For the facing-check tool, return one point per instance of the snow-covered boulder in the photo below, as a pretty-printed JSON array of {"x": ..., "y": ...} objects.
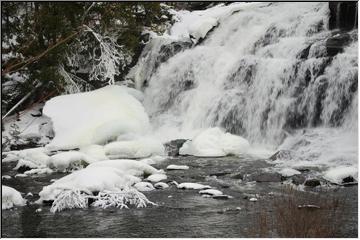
[
  {"x": 31, "y": 158},
  {"x": 10, "y": 198},
  {"x": 144, "y": 186},
  {"x": 288, "y": 172},
  {"x": 140, "y": 148},
  {"x": 161, "y": 185},
  {"x": 337, "y": 174},
  {"x": 68, "y": 161},
  {"x": 131, "y": 167},
  {"x": 177, "y": 167},
  {"x": 214, "y": 142},
  {"x": 196, "y": 186},
  {"x": 89, "y": 180},
  {"x": 157, "y": 177},
  {"x": 212, "y": 192},
  {"x": 94, "y": 117}
]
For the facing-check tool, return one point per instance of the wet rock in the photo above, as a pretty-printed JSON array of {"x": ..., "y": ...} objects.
[
  {"x": 172, "y": 147},
  {"x": 336, "y": 44},
  {"x": 312, "y": 182},
  {"x": 308, "y": 206},
  {"x": 348, "y": 179},
  {"x": 238, "y": 176},
  {"x": 222, "y": 197},
  {"x": 219, "y": 174},
  {"x": 267, "y": 177},
  {"x": 281, "y": 154},
  {"x": 23, "y": 169},
  {"x": 298, "y": 179}
]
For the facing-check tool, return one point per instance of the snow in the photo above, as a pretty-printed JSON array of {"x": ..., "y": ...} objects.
[
  {"x": 144, "y": 186},
  {"x": 10, "y": 198},
  {"x": 32, "y": 158},
  {"x": 89, "y": 180},
  {"x": 94, "y": 117},
  {"x": 198, "y": 23},
  {"x": 253, "y": 199},
  {"x": 157, "y": 177},
  {"x": 337, "y": 174},
  {"x": 131, "y": 167},
  {"x": 196, "y": 186},
  {"x": 214, "y": 142},
  {"x": 68, "y": 161},
  {"x": 212, "y": 192},
  {"x": 288, "y": 172},
  {"x": 95, "y": 152},
  {"x": 139, "y": 148},
  {"x": 177, "y": 167}
]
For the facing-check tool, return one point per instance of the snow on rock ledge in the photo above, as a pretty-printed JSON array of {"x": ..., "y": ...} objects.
[
  {"x": 94, "y": 117},
  {"x": 214, "y": 142},
  {"x": 10, "y": 198}
]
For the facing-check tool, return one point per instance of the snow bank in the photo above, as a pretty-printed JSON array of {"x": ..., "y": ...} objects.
[
  {"x": 139, "y": 148},
  {"x": 131, "y": 167},
  {"x": 337, "y": 174},
  {"x": 10, "y": 198},
  {"x": 94, "y": 117},
  {"x": 214, "y": 142}
]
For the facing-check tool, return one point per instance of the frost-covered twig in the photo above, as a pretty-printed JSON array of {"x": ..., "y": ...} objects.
[{"x": 69, "y": 199}]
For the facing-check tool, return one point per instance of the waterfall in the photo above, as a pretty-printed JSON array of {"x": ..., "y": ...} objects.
[{"x": 263, "y": 72}]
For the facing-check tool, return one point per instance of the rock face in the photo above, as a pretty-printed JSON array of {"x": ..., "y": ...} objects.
[
  {"x": 343, "y": 15},
  {"x": 336, "y": 44},
  {"x": 172, "y": 147}
]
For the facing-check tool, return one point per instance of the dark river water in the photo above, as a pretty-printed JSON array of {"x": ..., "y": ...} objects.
[{"x": 179, "y": 213}]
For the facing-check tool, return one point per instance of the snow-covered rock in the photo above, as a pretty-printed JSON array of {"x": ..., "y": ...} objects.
[
  {"x": 214, "y": 142},
  {"x": 196, "y": 186},
  {"x": 32, "y": 158},
  {"x": 337, "y": 174},
  {"x": 131, "y": 167},
  {"x": 212, "y": 192},
  {"x": 139, "y": 148},
  {"x": 288, "y": 172},
  {"x": 68, "y": 161},
  {"x": 144, "y": 186},
  {"x": 177, "y": 167},
  {"x": 94, "y": 117},
  {"x": 157, "y": 177},
  {"x": 95, "y": 152},
  {"x": 10, "y": 198}
]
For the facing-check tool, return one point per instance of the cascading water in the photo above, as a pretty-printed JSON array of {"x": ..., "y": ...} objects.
[{"x": 264, "y": 72}]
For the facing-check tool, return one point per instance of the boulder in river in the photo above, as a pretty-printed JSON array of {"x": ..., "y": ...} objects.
[
  {"x": 312, "y": 182},
  {"x": 172, "y": 147}
]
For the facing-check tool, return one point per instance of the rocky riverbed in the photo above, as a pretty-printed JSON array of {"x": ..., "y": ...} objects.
[{"x": 179, "y": 213}]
